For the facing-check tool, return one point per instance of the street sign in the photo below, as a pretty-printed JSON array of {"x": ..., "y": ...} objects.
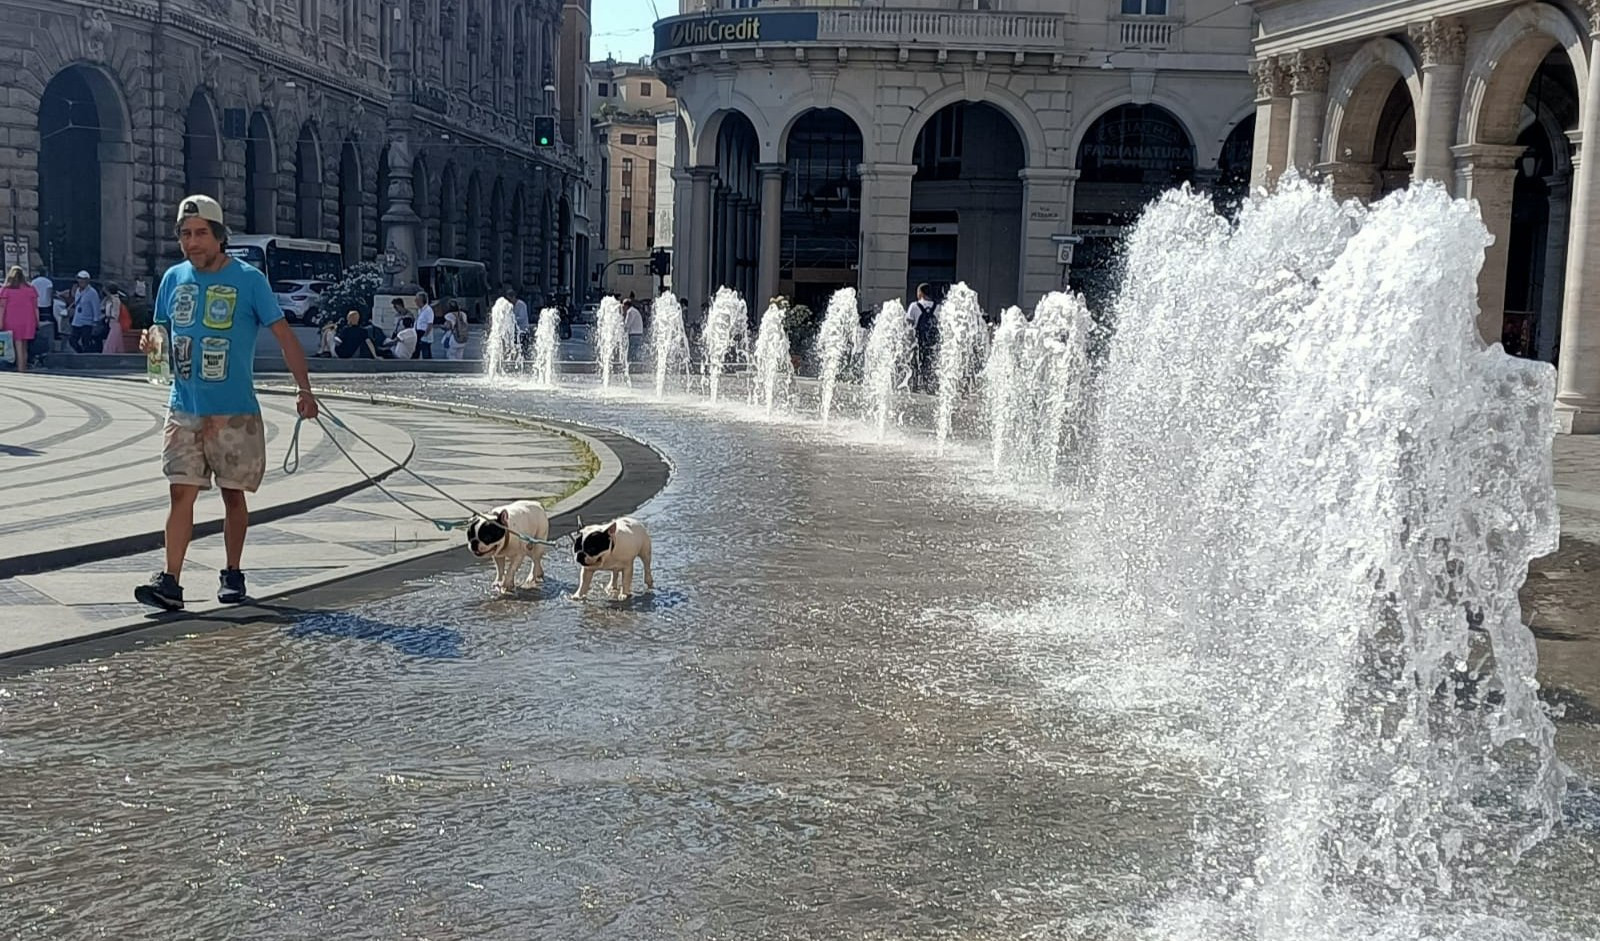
[
  {"x": 16, "y": 252},
  {"x": 1064, "y": 253}
]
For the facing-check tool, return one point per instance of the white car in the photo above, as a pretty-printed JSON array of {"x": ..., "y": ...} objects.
[{"x": 298, "y": 297}]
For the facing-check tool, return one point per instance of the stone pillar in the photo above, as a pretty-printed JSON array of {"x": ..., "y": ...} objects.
[
  {"x": 1486, "y": 173},
  {"x": 1555, "y": 264},
  {"x": 1350, "y": 180},
  {"x": 1578, "y": 376},
  {"x": 1271, "y": 153},
  {"x": 1046, "y": 210},
  {"x": 885, "y": 231},
  {"x": 1443, "y": 44},
  {"x": 728, "y": 247},
  {"x": 752, "y": 247},
  {"x": 399, "y": 218},
  {"x": 116, "y": 213},
  {"x": 771, "y": 228},
  {"x": 695, "y": 239},
  {"x": 1308, "y": 107}
]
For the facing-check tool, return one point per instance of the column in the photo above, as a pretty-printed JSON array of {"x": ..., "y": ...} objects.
[
  {"x": 400, "y": 222},
  {"x": 752, "y": 248},
  {"x": 693, "y": 241},
  {"x": 1308, "y": 106},
  {"x": 1350, "y": 180},
  {"x": 1555, "y": 264},
  {"x": 1443, "y": 43},
  {"x": 117, "y": 212},
  {"x": 1486, "y": 173},
  {"x": 885, "y": 231},
  {"x": 1578, "y": 376},
  {"x": 1271, "y": 153},
  {"x": 1046, "y": 211},
  {"x": 771, "y": 228},
  {"x": 728, "y": 249}
]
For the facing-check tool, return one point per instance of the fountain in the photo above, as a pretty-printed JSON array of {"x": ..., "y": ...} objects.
[
  {"x": 726, "y": 334},
  {"x": 670, "y": 342},
  {"x": 503, "y": 352},
  {"x": 1324, "y": 490},
  {"x": 888, "y": 364},
  {"x": 545, "y": 347},
  {"x": 834, "y": 342},
  {"x": 1034, "y": 384},
  {"x": 774, "y": 366},
  {"x": 963, "y": 338},
  {"x": 611, "y": 341}
]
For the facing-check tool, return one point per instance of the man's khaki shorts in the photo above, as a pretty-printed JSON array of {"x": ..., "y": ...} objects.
[{"x": 231, "y": 448}]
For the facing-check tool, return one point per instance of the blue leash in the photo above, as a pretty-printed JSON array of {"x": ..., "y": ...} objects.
[{"x": 291, "y": 464}]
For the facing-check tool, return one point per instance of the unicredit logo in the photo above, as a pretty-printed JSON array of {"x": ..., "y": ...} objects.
[{"x": 705, "y": 32}]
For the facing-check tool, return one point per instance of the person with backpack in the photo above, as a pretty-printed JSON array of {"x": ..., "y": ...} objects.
[
  {"x": 922, "y": 315},
  {"x": 455, "y": 331}
]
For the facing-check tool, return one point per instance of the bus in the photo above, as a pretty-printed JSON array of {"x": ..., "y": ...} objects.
[
  {"x": 454, "y": 279},
  {"x": 281, "y": 258}
]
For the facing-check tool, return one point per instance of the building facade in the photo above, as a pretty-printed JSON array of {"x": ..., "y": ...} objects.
[
  {"x": 1492, "y": 100},
  {"x": 401, "y": 131},
  {"x": 881, "y": 145},
  {"x": 573, "y": 103},
  {"x": 628, "y": 97}
]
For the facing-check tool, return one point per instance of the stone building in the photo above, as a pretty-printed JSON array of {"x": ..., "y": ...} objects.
[
  {"x": 627, "y": 97},
  {"x": 573, "y": 105},
  {"x": 883, "y": 144},
  {"x": 1493, "y": 100},
  {"x": 371, "y": 123}
]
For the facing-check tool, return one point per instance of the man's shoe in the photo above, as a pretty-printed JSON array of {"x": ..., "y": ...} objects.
[
  {"x": 161, "y": 591},
  {"x": 231, "y": 591}
]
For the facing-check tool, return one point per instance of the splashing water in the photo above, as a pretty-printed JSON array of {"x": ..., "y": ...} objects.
[
  {"x": 963, "y": 339},
  {"x": 545, "y": 347},
  {"x": 503, "y": 355},
  {"x": 1034, "y": 387},
  {"x": 773, "y": 365},
  {"x": 670, "y": 342},
  {"x": 1325, "y": 489},
  {"x": 611, "y": 341},
  {"x": 888, "y": 364},
  {"x": 727, "y": 333},
  {"x": 834, "y": 343}
]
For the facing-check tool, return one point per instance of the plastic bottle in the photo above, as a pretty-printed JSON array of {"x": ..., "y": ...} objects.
[{"x": 157, "y": 364}]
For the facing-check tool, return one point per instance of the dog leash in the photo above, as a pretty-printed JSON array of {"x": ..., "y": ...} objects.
[{"x": 291, "y": 464}]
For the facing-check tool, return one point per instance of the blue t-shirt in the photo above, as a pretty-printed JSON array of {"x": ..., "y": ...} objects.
[{"x": 213, "y": 320}]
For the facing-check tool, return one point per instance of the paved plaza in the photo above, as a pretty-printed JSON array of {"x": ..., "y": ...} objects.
[{"x": 79, "y": 462}]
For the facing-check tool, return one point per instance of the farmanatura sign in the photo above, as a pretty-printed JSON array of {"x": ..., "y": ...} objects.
[{"x": 687, "y": 32}]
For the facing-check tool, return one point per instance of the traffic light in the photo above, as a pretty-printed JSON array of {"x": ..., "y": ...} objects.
[
  {"x": 661, "y": 262},
  {"x": 544, "y": 130}
]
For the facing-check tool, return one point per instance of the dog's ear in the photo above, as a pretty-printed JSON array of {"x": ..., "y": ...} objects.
[
  {"x": 501, "y": 517},
  {"x": 612, "y": 529}
]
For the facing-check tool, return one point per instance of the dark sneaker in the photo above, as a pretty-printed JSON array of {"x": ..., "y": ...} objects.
[
  {"x": 231, "y": 591},
  {"x": 161, "y": 591}
]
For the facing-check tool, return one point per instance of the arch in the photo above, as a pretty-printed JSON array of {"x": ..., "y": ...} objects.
[
  {"x": 1006, "y": 101},
  {"x": 380, "y": 201},
  {"x": 202, "y": 146},
  {"x": 308, "y": 182},
  {"x": 859, "y": 116},
  {"x": 1356, "y": 103},
  {"x": 474, "y": 217},
  {"x": 85, "y": 172},
  {"x": 260, "y": 175},
  {"x": 820, "y": 227},
  {"x": 1497, "y": 80},
  {"x": 705, "y": 145},
  {"x": 1174, "y": 109},
  {"x": 519, "y": 228},
  {"x": 421, "y": 203},
  {"x": 351, "y": 202},
  {"x": 449, "y": 213},
  {"x": 497, "y": 242}
]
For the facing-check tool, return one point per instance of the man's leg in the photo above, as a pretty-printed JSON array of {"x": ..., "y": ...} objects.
[
  {"x": 238, "y": 451},
  {"x": 180, "y": 527},
  {"x": 235, "y": 522}
]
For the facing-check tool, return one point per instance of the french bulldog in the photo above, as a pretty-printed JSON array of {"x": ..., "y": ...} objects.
[
  {"x": 500, "y": 534},
  {"x": 612, "y": 547}
]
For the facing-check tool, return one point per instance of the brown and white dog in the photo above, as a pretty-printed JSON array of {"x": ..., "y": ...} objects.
[
  {"x": 612, "y": 547},
  {"x": 503, "y": 535}
]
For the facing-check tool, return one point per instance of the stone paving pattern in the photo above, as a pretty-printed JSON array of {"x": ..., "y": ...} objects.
[{"x": 479, "y": 461}]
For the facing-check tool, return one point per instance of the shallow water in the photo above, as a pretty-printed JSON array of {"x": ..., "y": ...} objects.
[{"x": 849, "y": 710}]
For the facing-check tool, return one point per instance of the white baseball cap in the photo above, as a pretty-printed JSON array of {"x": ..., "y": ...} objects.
[
  {"x": 83, "y": 275},
  {"x": 200, "y": 205}
]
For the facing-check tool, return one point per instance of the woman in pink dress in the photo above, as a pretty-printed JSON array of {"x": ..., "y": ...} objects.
[
  {"x": 116, "y": 315},
  {"x": 19, "y": 313}
]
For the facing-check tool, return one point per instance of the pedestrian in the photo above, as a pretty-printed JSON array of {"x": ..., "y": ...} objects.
[
  {"x": 921, "y": 315},
  {"x": 455, "y": 331},
  {"x": 86, "y": 315},
  {"x": 634, "y": 321},
  {"x": 46, "y": 289},
  {"x": 424, "y": 328},
  {"x": 19, "y": 313},
  {"x": 117, "y": 320},
  {"x": 404, "y": 341},
  {"x": 213, "y": 308}
]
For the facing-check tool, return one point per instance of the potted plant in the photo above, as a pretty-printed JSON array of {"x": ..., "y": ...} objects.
[{"x": 801, "y": 324}]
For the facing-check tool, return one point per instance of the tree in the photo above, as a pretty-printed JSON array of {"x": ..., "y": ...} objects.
[{"x": 353, "y": 291}]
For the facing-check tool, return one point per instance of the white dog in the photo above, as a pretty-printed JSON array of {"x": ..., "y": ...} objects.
[
  {"x": 504, "y": 534},
  {"x": 612, "y": 548}
]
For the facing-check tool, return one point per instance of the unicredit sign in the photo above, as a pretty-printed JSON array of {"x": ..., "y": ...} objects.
[{"x": 688, "y": 32}]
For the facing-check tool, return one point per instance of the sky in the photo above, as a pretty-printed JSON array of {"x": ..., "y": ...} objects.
[{"x": 622, "y": 28}]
